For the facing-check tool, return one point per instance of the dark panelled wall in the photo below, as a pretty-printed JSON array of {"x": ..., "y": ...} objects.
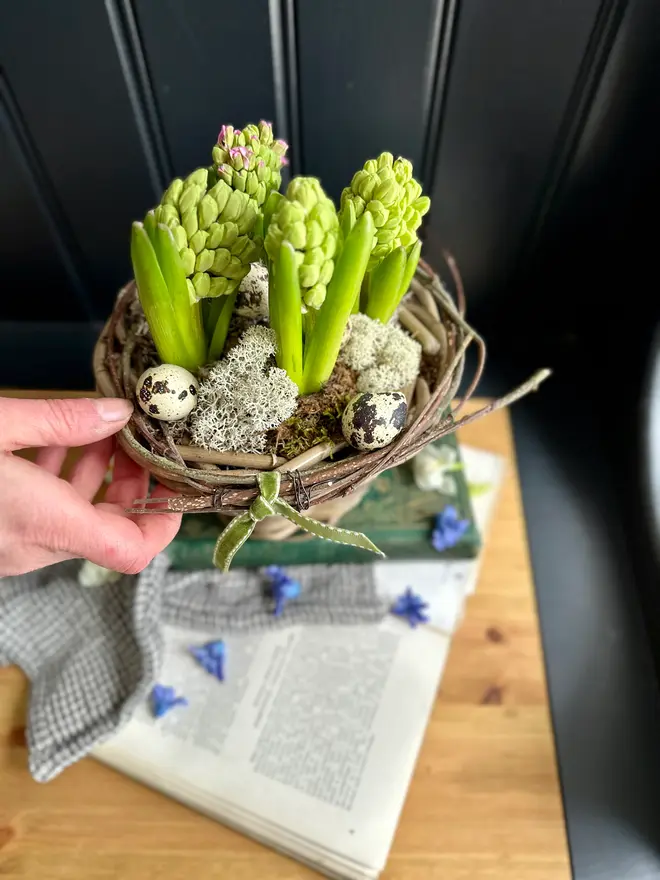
[{"x": 493, "y": 101}]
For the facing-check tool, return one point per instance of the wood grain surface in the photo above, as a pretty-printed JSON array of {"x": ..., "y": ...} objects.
[{"x": 484, "y": 803}]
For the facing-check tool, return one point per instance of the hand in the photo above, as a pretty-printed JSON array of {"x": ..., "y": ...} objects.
[{"x": 45, "y": 519}]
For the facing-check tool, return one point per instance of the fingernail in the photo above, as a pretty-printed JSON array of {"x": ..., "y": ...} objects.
[{"x": 113, "y": 409}]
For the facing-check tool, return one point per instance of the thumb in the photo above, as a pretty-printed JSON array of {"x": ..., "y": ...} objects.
[{"x": 66, "y": 422}]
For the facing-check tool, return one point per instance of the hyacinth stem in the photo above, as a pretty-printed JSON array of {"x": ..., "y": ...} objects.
[
  {"x": 343, "y": 290},
  {"x": 385, "y": 285},
  {"x": 224, "y": 308},
  {"x": 156, "y": 301},
  {"x": 284, "y": 299},
  {"x": 187, "y": 314},
  {"x": 211, "y": 309},
  {"x": 309, "y": 320}
]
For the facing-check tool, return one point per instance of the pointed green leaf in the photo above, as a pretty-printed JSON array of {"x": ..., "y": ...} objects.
[
  {"x": 150, "y": 226},
  {"x": 411, "y": 266},
  {"x": 187, "y": 314},
  {"x": 347, "y": 219},
  {"x": 343, "y": 290},
  {"x": 222, "y": 312},
  {"x": 384, "y": 286},
  {"x": 285, "y": 292},
  {"x": 155, "y": 300}
]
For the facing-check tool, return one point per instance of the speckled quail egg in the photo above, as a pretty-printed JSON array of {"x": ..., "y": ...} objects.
[
  {"x": 167, "y": 392},
  {"x": 373, "y": 419}
]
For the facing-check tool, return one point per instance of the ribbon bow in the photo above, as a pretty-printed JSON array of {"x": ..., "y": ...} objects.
[{"x": 268, "y": 503}]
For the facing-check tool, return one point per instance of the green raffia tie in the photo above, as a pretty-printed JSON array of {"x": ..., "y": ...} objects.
[{"x": 267, "y": 503}]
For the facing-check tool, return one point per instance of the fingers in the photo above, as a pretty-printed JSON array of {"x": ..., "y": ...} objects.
[
  {"x": 43, "y": 519},
  {"x": 159, "y": 529},
  {"x": 129, "y": 481},
  {"x": 51, "y": 458},
  {"x": 138, "y": 538},
  {"x": 89, "y": 471},
  {"x": 67, "y": 422},
  {"x": 106, "y": 535}
]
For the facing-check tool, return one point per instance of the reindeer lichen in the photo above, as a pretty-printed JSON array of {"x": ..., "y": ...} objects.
[
  {"x": 243, "y": 397},
  {"x": 384, "y": 356}
]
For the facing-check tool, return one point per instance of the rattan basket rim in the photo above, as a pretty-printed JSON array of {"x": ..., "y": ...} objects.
[{"x": 429, "y": 312}]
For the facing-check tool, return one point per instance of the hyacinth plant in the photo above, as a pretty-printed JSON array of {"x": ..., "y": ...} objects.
[
  {"x": 386, "y": 188},
  {"x": 328, "y": 265},
  {"x": 193, "y": 250}
]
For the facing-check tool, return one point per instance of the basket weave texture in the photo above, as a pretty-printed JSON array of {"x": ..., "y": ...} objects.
[{"x": 226, "y": 483}]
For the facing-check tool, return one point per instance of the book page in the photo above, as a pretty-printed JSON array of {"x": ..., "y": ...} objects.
[
  {"x": 314, "y": 733},
  {"x": 310, "y": 742}
]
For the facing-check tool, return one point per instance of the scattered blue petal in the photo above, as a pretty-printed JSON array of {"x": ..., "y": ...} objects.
[
  {"x": 449, "y": 529},
  {"x": 283, "y": 588},
  {"x": 412, "y": 607},
  {"x": 163, "y": 698},
  {"x": 211, "y": 657}
]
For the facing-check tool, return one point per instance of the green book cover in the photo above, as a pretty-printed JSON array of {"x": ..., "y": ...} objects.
[{"x": 395, "y": 514}]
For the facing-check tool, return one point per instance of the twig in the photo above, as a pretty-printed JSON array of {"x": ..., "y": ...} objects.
[
  {"x": 312, "y": 456},
  {"x": 233, "y": 459},
  {"x": 436, "y": 326},
  {"x": 171, "y": 445},
  {"x": 422, "y": 394},
  {"x": 458, "y": 281},
  {"x": 425, "y": 298},
  {"x": 421, "y": 333}
]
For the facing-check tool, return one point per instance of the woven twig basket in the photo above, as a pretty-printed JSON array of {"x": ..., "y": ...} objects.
[{"x": 330, "y": 478}]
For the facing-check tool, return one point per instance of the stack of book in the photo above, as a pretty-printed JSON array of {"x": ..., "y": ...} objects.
[{"x": 310, "y": 743}]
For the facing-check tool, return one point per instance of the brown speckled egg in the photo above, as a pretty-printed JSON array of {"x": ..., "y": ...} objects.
[
  {"x": 167, "y": 392},
  {"x": 372, "y": 420}
]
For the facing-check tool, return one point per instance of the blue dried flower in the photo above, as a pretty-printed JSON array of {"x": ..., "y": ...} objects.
[
  {"x": 412, "y": 607},
  {"x": 163, "y": 698},
  {"x": 211, "y": 657},
  {"x": 449, "y": 529},
  {"x": 282, "y": 587}
]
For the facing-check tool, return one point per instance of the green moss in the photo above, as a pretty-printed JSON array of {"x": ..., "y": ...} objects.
[{"x": 305, "y": 429}]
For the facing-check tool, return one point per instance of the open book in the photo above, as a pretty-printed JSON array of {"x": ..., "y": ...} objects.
[{"x": 310, "y": 743}]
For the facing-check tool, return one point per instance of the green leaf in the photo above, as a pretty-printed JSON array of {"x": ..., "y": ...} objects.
[
  {"x": 155, "y": 300},
  {"x": 284, "y": 292},
  {"x": 344, "y": 288},
  {"x": 187, "y": 314},
  {"x": 347, "y": 219},
  {"x": 223, "y": 310},
  {"x": 411, "y": 266},
  {"x": 150, "y": 227},
  {"x": 385, "y": 284}
]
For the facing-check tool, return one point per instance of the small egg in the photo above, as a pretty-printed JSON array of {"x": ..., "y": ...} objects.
[
  {"x": 167, "y": 392},
  {"x": 373, "y": 419}
]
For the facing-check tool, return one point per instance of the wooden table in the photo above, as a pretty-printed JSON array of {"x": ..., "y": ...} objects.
[{"x": 484, "y": 803}]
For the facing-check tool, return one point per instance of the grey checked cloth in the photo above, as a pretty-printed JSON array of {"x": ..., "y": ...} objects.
[{"x": 93, "y": 654}]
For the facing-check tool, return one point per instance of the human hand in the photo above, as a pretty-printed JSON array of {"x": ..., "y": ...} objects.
[{"x": 45, "y": 519}]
